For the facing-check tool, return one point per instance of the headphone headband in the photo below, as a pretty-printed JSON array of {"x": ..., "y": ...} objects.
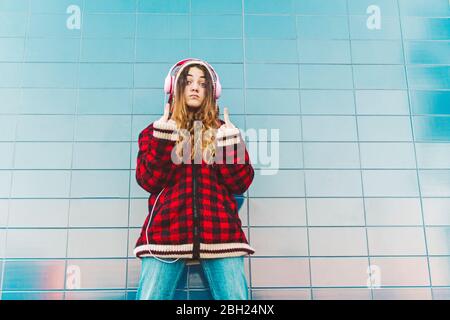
[{"x": 175, "y": 71}]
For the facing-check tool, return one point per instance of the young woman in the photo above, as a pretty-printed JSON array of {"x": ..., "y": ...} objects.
[{"x": 192, "y": 175}]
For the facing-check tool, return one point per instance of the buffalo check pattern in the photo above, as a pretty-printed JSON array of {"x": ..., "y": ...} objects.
[{"x": 170, "y": 233}]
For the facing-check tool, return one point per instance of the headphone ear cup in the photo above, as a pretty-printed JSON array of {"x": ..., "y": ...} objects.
[
  {"x": 218, "y": 89},
  {"x": 168, "y": 84}
]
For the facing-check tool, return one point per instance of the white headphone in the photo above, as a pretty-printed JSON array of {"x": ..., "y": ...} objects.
[{"x": 170, "y": 81}]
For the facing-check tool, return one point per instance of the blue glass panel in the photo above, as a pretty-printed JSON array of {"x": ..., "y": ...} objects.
[
  {"x": 289, "y": 127},
  {"x": 105, "y": 183},
  {"x": 53, "y": 6},
  {"x": 435, "y": 183},
  {"x": 109, "y": 25},
  {"x": 212, "y": 26},
  {"x": 329, "y": 128},
  {"x": 431, "y": 128},
  {"x": 111, "y": 6},
  {"x": 396, "y": 241},
  {"x": 389, "y": 28},
  {"x": 33, "y": 275},
  {"x": 53, "y": 25},
  {"x": 271, "y": 76},
  {"x": 107, "y": 50},
  {"x": 338, "y": 272},
  {"x": 395, "y": 128},
  {"x": 106, "y": 75},
  {"x": 262, "y": 101},
  {"x": 382, "y": 102},
  {"x": 41, "y": 183},
  {"x": 390, "y": 183},
  {"x": 11, "y": 49},
  {"x": 426, "y": 28},
  {"x": 322, "y": 27},
  {"x": 161, "y": 50},
  {"x": 5, "y": 183},
  {"x": 51, "y": 244},
  {"x": 57, "y": 75},
  {"x": 48, "y": 101},
  {"x": 104, "y": 101},
  {"x": 224, "y": 50},
  {"x": 38, "y": 213},
  {"x": 162, "y": 26},
  {"x": 430, "y": 102},
  {"x": 13, "y": 6},
  {"x": 231, "y": 75},
  {"x": 150, "y": 75},
  {"x": 215, "y": 7},
  {"x": 7, "y": 127},
  {"x": 93, "y": 155},
  {"x": 271, "y": 50},
  {"x": 387, "y": 155},
  {"x": 45, "y": 128},
  {"x": 267, "y": 6},
  {"x": 327, "y": 102},
  {"x": 435, "y": 77},
  {"x": 438, "y": 239},
  {"x": 10, "y": 100},
  {"x": 6, "y": 150},
  {"x": 13, "y": 24},
  {"x": 428, "y": 52},
  {"x": 359, "y": 7},
  {"x": 276, "y": 185},
  {"x": 103, "y": 128},
  {"x": 326, "y": 77},
  {"x": 369, "y": 51},
  {"x": 52, "y": 50},
  {"x": 163, "y": 6},
  {"x": 440, "y": 276},
  {"x": 331, "y": 155},
  {"x": 45, "y": 155},
  {"x": 336, "y": 183},
  {"x": 11, "y": 74},
  {"x": 379, "y": 77},
  {"x": 324, "y": 51},
  {"x": 423, "y": 8},
  {"x": 278, "y": 27},
  {"x": 433, "y": 155},
  {"x": 337, "y": 241},
  {"x": 103, "y": 243},
  {"x": 320, "y": 7},
  {"x": 148, "y": 101}
]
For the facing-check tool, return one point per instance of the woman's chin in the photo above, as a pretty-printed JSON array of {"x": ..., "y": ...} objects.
[{"x": 193, "y": 107}]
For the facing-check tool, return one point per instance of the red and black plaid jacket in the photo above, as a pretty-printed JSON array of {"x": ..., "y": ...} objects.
[{"x": 196, "y": 215}]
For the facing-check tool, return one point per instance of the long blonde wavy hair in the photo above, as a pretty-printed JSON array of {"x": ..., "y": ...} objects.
[{"x": 208, "y": 113}]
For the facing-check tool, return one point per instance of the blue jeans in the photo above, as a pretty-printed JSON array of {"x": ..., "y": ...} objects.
[{"x": 225, "y": 276}]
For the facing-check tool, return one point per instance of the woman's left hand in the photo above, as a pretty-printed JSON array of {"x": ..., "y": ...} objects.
[
  {"x": 228, "y": 128},
  {"x": 226, "y": 117}
]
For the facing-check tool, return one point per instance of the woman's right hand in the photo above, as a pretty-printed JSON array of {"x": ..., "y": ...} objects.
[{"x": 165, "y": 121}]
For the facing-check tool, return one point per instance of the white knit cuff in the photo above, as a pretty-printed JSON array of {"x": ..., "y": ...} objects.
[
  {"x": 227, "y": 136},
  {"x": 165, "y": 130}
]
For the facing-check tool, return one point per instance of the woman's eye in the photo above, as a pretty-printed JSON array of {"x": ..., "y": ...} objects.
[{"x": 202, "y": 84}]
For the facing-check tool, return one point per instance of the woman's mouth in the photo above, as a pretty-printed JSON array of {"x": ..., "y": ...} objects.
[{"x": 194, "y": 97}]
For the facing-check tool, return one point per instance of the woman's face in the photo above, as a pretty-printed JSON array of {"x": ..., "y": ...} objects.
[{"x": 195, "y": 90}]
